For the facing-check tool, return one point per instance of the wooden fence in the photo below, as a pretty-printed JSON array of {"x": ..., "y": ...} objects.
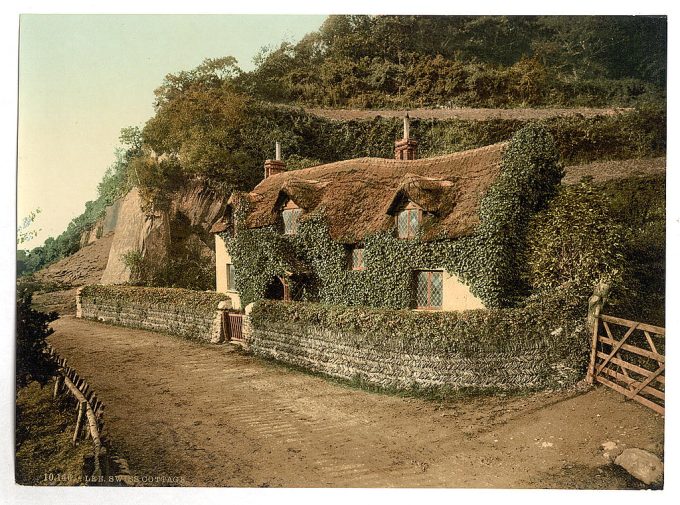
[
  {"x": 89, "y": 411},
  {"x": 630, "y": 358}
]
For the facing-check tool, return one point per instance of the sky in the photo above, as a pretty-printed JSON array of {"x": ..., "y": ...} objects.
[{"x": 84, "y": 77}]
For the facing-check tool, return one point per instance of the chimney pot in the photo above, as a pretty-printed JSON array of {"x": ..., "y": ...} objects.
[{"x": 406, "y": 148}]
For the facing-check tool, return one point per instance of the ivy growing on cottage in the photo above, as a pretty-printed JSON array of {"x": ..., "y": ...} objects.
[{"x": 488, "y": 261}]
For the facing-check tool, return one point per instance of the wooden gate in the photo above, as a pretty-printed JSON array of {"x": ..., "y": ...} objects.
[
  {"x": 630, "y": 358},
  {"x": 233, "y": 326}
]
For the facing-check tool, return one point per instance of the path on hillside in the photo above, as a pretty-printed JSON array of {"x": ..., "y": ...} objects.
[
  {"x": 478, "y": 114},
  {"x": 217, "y": 417}
]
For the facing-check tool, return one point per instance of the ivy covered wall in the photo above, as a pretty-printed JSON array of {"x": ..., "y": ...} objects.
[{"x": 488, "y": 261}]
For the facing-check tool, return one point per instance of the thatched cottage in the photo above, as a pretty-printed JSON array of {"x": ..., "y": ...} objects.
[{"x": 428, "y": 200}]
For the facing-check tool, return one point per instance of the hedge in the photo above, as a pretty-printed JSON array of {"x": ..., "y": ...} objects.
[{"x": 201, "y": 302}]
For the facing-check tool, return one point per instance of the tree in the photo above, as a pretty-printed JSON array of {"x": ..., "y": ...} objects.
[
  {"x": 32, "y": 362},
  {"x": 24, "y": 233}
]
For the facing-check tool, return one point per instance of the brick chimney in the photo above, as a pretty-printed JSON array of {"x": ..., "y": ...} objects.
[
  {"x": 406, "y": 148},
  {"x": 275, "y": 166}
]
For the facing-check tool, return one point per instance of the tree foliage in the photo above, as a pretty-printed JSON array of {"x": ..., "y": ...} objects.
[
  {"x": 33, "y": 328},
  {"x": 408, "y": 61},
  {"x": 575, "y": 240}
]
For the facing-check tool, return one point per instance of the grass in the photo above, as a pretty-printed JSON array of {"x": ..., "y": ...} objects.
[{"x": 45, "y": 455}]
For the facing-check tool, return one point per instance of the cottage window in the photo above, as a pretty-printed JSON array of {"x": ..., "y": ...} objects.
[
  {"x": 291, "y": 216},
  {"x": 358, "y": 258},
  {"x": 231, "y": 285},
  {"x": 408, "y": 221},
  {"x": 429, "y": 289}
]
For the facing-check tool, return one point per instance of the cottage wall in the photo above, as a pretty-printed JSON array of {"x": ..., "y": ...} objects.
[
  {"x": 457, "y": 296},
  {"x": 222, "y": 259}
]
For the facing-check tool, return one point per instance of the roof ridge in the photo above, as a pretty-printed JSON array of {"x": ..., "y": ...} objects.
[{"x": 393, "y": 162}]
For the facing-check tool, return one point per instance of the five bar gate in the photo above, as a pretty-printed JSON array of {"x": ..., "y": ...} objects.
[{"x": 630, "y": 358}]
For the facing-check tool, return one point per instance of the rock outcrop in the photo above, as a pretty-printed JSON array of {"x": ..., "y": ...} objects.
[
  {"x": 136, "y": 232},
  {"x": 190, "y": 214}
]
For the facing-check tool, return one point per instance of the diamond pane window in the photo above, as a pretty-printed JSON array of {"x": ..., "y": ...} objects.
[
  {"x": 231, "y": 285},
  {"x": 408, "y": 221},
  {"x": 290, "y": 221},
  {"x": 429, "y": 289},
  {"x": 358, "y": 258}
]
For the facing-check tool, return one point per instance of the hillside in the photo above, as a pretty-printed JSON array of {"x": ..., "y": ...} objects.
[{"x": 61, "y": 279}]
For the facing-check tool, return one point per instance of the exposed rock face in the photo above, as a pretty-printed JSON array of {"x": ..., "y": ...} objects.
[
  {"x": 201, "y": 205},
  {"x": 642, "y": 465},
  {"x": 192, "y": 212},
  {"x": 104, "y": 226},
  {"x": 136, "y": 231}
]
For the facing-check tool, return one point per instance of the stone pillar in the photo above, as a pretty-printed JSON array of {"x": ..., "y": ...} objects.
[
  {"x": 595, "y": 304},
  {"x": 217, "y": 334},
  {"x": 247, "y": 325},
  {"x": 79, "y": 304}
]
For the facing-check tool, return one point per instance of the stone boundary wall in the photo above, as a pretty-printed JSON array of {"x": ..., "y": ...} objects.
[
  {"x": 189, "y": 314},
  {"x": 346, "y": 355}
]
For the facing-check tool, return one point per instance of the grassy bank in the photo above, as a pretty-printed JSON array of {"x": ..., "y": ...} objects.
[{"x": 45, "y": 455}]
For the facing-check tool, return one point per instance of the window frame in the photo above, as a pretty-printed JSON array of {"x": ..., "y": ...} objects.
[
  {"x": 362, "y": 263},
  {"x": 296, "y": 212},
  {"x": 231, "y": 273},
  {"x": 409, "y": 209},
  {"x": 429, "y": 306}
]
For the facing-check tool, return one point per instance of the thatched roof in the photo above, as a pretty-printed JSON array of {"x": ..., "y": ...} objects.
[
  {"x": 358, "y": 196},
  {"x": 434, "y": 195}
]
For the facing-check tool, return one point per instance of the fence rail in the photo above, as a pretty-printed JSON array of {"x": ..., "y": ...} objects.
[
  {"x": 629, "y": 357},
  {"x": 89, "y": 409}
]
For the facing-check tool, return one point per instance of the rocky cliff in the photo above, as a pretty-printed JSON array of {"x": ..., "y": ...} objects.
[{"x": 157, "y": 235}]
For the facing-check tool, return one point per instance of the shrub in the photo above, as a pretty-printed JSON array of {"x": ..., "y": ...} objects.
[
  {"x": 32, "y": 362},
  {"x": 574, "y": 240}
]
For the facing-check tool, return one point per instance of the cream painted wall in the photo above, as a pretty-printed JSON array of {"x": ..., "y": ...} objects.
[
  {"x": 457, "y": 296},
  {"x": 222, "y": 259}
]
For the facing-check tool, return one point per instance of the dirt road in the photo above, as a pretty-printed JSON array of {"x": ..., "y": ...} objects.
[
  {"x": 216, "y": 417},
  {"x": 468, "y": 113}
]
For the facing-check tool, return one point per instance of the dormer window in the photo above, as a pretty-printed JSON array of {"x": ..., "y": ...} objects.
[
  {"x": 291, "y": 217},
  {"x": 357, "y": 258},
  {"x": 408, "y": 220}
]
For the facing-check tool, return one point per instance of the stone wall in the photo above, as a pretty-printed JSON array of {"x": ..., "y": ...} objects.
[
  {"x": 194, "y": 315},
  {"x": 306, "y": 339}
]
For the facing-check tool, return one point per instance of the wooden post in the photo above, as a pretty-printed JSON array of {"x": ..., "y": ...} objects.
[
  {"x": 57, "y": 386},
  {"x": 82, "y": 406},
  {"x": 595, "y": 304}
]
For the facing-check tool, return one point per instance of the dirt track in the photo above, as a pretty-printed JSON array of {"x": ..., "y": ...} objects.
[
  {"x": 476, "y": 114},
  {"x": 217, "y": 417}
]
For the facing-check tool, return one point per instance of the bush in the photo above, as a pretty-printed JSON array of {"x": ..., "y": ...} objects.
[
  {"x": 574, "y": 240},
  {"x": 32, "y": 361}
]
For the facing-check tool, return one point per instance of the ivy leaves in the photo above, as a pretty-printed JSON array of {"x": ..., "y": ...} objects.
[{"x": 488, "y": 261}]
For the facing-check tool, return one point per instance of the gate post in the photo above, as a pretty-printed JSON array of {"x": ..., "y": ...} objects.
[
  {"x": 218, "y": 331},
  {"x": 595, "y": 304}
]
